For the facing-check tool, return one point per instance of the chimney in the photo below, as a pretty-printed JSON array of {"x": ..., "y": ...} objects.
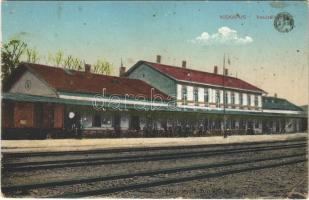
[
  {"x": 215, "y": 69},
  {"x": 184, "y": 64},
  {"x": 87, "y": 68},
  {"x": 226, "y": 72},
  {"x": 122, "y": 71},
  {"x": 158, "y": 59}
]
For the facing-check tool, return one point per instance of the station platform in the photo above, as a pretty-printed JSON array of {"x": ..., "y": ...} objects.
[{"x": 52, "y": 145}]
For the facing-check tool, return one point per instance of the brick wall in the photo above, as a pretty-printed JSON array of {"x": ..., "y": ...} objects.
[
  {"x": 58, "y": 116},
  {"x": 7, "y": 114},
  {"x": 24, "y": 115},
  {"x": 48, "y": 114}
]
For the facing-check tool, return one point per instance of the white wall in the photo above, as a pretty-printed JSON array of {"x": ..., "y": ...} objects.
[
  {"x": 190, "y": 93},
  {"x": 179, "y": 91},
  {"x": 124, "y": 121},
  {"x": 159, "y": 125},
  {"x": 228, "y": 97},
  {"x": 36, "y": 86},
  {"x": 252, "y": 99},
  {"x": 201, "y": 94},
  {"x": 221, "y": 96},
  {"x": 236, "y": 97},
  {"x": 210, "y": 98},
  {"x": 142, "y": 122},
  {"x": 260, "y": 101},
  {"x": 244, "y": 97},
  {"x": 214, "y": 92}
]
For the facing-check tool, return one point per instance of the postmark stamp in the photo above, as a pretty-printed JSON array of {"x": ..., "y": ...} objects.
[{"x": 284, "y": 22}]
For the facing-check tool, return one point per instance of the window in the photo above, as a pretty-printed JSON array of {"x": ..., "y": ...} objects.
[
  {"x": 195, "y": 95},
  {"x": 256, "y": 125},
  {"x": 242, "y": 124},
  {"x": 232, "y": 98},
  {"x": 240, "y": 99},
  {"x": 233, "y": 124},
  {"x": 87, "y": 120},
  {"x": 106, "y": 121},
  {"x": 217, "y": 98},
  {"x": 116, "y": 121},
  {"x": 256, "y": 101},
  {"x": 97, "y": 120},
  {"x": 206, "y": 95},
  {"x": 225, "y": 98},
  {"x": 135, "y": 123},
  {"x": 184, "y": 94},
  {"x": 218, "y": 124},
  {"x": 249, "y": 99}
]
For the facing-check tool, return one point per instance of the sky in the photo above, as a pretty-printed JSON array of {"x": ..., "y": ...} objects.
[{"x": 200, "y": 32}]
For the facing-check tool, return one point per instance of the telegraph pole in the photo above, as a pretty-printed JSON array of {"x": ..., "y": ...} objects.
[{"x": 224, "y": 94}]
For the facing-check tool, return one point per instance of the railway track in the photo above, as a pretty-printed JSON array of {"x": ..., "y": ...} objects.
[
  {"x": 229, "y": 168},
  {"x": 179, "y": 174},
  {"x": 167, "y": 181},
  {"x": 53, "y": 164}
]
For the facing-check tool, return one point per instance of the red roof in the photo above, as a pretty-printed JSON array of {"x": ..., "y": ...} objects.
[
  {"x": 184, "y": 74},
  {"x": 82, "y": 82}
]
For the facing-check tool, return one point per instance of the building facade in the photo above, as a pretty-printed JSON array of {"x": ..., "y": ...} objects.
[{"x": 150, "y": 99}]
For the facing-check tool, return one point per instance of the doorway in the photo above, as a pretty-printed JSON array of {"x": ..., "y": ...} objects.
[{"x": 134, "y": 123}]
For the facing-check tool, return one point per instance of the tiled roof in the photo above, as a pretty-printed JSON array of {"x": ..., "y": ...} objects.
[
  {"x": 274, "y": 103},
  {"x": 185, "y": 74},
  {"x": 81, "y": 82}
]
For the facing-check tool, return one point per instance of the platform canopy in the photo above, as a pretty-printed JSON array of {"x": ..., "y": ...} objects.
[{"x": 120, "y": 104}]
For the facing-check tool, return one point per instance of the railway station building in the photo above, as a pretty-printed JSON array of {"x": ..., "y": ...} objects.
[{"x": 149, "y": 100}]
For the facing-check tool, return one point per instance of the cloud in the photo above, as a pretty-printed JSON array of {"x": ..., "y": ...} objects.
[
  {"x": 224, "y": 35},
  {"x": 278, "y": 4}
]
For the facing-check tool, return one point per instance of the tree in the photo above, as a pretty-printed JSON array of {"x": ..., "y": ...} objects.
[
  {"x": 102, "y": 67},
  {"x": 72, "y": 63},
  {"x": 77, "y": 64},
  {"x": 58, "y": 59},
  {"x": 11, "y": 53},
  {"x": 67, "y": 62},
  {"x": 32, "y": 55}
]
